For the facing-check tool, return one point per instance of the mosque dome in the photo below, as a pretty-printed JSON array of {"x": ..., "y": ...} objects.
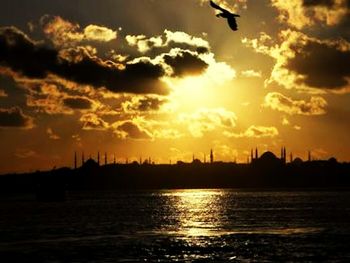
[{"x": 268, "y": 156}]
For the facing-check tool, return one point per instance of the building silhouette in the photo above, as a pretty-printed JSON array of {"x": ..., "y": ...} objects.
[
  {"x": 75, "y": 160},
  {"x": 253, "y": 158},
  {"x": 90, "y": 165}
]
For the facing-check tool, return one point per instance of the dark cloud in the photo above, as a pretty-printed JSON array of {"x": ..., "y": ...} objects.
[
  {"x": 133, "y": 131},
  {"x": 15, "y": 95},
  {"x": 328, "y": 3},
  {"x": 35, "y": 60},
  {"x": 144, "y": 104},
  {"x": 202, "y": 50},
  {"x": 15, "y": 118},
  {"x": 78, "y": 103},
  {"x": 24, "y": 55},
  {"x": 185, "y": 63},
  {"x": 150, "y": 104},
  {"x": 323, "y": 65}
]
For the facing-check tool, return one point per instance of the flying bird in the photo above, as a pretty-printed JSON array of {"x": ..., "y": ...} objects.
[{"x": 231, "y": 18}]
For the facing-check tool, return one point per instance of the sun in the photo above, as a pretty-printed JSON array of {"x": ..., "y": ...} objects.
[
  {"x": 202, "y": 91},
  {"x": 189, "y": 93}
]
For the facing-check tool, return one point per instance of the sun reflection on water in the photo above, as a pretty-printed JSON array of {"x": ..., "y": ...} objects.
[{"x": 197, "y": 211}]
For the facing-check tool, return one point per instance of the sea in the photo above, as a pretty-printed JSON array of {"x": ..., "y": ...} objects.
[{"x": 212, "y": 225}]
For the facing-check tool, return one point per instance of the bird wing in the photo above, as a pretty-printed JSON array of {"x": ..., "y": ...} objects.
[
  {"x": 218, "y": 7},
  {"x": 232, "y": 23}
]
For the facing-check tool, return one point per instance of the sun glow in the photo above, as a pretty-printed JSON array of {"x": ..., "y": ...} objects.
[
  {"x": 190, "y": 92},
  {"x": 193, "y": 92}
]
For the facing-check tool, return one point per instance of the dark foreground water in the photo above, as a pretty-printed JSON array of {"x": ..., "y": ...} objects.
[{"x": 178, "y": 225}]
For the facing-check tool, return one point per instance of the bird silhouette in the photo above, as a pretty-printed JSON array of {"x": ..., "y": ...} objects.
[{"x": 231, "y": 18}]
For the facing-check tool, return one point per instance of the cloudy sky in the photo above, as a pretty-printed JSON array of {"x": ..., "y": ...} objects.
[{"x": 167, "y": 79}]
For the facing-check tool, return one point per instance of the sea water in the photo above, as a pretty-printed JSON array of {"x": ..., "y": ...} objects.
[{"x": 178, "y": 225}]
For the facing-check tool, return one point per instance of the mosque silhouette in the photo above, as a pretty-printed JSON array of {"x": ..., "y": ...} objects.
[
  {"x": 259, "y": 172},
  {"x": 267, "y": 159}
]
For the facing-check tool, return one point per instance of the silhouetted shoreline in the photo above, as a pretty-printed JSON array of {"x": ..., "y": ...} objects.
[{"x": 266, "y": 172}]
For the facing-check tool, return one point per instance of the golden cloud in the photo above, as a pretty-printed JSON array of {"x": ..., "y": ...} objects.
[
  {"x": 49, "y": 105},
  {"x": 169, "y": 38},
  {"x": 99, "y": 33},
  {"x": 251, "y": 74},
  {"x": 144, "y": 44},
  {"x": 167, "y": 133},
  {"x": 255, "y": 132},
  {"x": 3, "y": 93},
  {"x": 301, "y": 13},
  {"x": 47, "y": 96},
  {"x": 92, "y": 121},
  {"x": 277, "y": 101},
  {"x": 52, "y": 135},
  {"x": 64, "y": 33},
  {"x": 224, "y": 152},
  {"x": 285, "y": 121},
  {"x": 206, "y": 120},
  {"x": 61, "y": 32},
  {"x": 24, "y": 153},
  {"x": 77, "y": 54},
  {"x": 179, "y": 37}
]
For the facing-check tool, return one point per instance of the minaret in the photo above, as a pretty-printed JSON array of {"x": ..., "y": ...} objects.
[
  {"x": 82, "y": 159},
  {"x": 114, "y": 160},
  {"x": 211, "y": 156},
  {"x": 256, "y": 154},
  {"x": 193, "y": 158},
  {"x": 282, "y": 153},
  {"x": 251, "y": 155},
  {"x": 75, "y": 160},
  {"x": 105, "y": 158},
  {"x": 285, "y": 155},
  {"x": 98, "y": 158}
]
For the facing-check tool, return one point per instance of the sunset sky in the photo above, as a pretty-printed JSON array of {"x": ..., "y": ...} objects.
[{"x": 167, "y": 79}]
